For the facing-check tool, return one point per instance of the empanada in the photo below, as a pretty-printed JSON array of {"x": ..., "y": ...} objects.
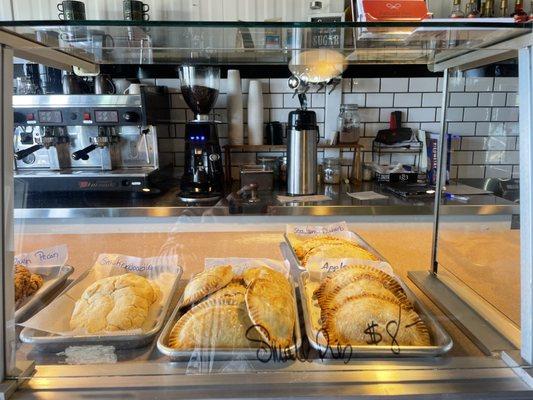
[
  {"x": 271, "y": 309},
  {"x": 373, "y": 320},
  {"x": 341, "y": 278},
  {"x": 276, "y": 277},
  {"x": 338, "y": 249},
  {"x": 214, "y": 323},
  {"x": 206, "y": 282},
  {"x": 233, "y": 291},
  {"x": 302, "y": 246},
  {"x": 374, "y": 282}
]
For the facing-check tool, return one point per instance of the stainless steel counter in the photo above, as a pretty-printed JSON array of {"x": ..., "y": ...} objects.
[{"x": 94, "y": 205}]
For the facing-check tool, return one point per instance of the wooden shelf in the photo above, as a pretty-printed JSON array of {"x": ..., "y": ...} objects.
[{"x": 228, "y": 149}]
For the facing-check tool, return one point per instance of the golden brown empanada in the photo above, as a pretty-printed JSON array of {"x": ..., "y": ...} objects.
[
  {"x": 214, "y": 323},
  {"x": 373, "y": 320},
  {"x": 341, "y": 278},
  {"x": 302, "y": 246},
  {"x": 271, "y": 309},
  {"x": 374, "y": 282},
  {"x": 206, "y": 282},
  {"x": 276, "y": 277},
  {"x": 233, "y": 291},
  {"x": 338, "y": 249}
]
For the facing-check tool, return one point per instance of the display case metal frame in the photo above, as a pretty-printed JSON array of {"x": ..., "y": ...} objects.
[{"x": 353, "y": 381}]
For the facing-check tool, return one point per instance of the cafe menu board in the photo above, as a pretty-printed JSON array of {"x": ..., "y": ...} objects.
[{"x": 332, "y": 38}]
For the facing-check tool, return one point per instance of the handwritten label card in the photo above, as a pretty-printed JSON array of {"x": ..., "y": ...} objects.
[
  {"x": 115, "y": 264},
  {"x": 50, "y": 256},
  {"x": 313, "y": 230}
]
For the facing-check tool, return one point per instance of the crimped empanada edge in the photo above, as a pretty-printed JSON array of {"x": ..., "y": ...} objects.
[{"x": 254, "y": 314}]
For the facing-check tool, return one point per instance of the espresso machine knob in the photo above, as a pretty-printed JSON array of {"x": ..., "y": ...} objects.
[{"x": 131, "y": 116}]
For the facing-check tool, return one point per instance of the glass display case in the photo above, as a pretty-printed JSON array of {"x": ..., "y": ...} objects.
[{"x": 139, "y": 294}]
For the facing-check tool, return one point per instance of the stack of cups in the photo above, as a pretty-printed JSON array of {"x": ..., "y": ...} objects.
[
  {"x": 235, "y": 113},
  {"x": 255, "y": 113}
]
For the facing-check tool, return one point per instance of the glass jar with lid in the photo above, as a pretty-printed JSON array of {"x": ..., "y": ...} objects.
[
  {"x": 269, "y": 163},
  {"x": 349, "y": 123},
  {"x": 331, "y": 170}
]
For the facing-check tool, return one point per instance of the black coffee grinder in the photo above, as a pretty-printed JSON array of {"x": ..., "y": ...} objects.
[{"x": 203, "y": 178}]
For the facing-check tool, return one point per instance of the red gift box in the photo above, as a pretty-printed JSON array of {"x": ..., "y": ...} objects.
[{"x": 392, "y": 10}]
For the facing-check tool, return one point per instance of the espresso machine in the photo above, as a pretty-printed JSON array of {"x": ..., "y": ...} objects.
[
  {"x": 203, "y": 178},
  {"x": 82, "y": 143}
]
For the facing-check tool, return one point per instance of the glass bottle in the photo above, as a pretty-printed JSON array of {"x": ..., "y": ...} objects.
[
  {"x": 531, "y": 11},
  {"x": 331, "y": 168},
  {"x": 471, "y": 9},
  {"x": 456, "y": 10},
  {"x": 488, "y": 9},
  {"x": 503, "y": 9},
  {"x": 349, "y": 123}
]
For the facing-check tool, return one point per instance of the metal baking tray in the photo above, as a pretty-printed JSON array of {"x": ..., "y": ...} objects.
[
  {"x": 442, "y": 342},
  {"x": 220, "y": 354},
  {"x": 53, "y": 278},
  {"x": 354, "y": 237},
  {"x": 47, "y": 342}
]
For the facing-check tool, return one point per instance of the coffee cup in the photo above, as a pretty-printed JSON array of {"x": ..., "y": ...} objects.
[
  {"x": 134, "y": 10},
  {"x": 71, "y": 10},
  {"x": 134, "y": 88}
]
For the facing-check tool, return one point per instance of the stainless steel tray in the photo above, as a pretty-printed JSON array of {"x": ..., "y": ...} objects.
[
  {"x": 44, "y": 341},
  {"x": 442, "y": 342},
  {"x": 354, "y": 236},
  {"x": 206, "y": 355},
  {"x": 53, "y": 278}
]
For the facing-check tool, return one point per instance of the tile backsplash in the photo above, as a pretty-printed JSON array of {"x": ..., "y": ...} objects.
[{"x": 482, "y": 117}]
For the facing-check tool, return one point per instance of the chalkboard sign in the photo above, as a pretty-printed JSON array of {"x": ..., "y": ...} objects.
[{"x": 332, "y": 38}]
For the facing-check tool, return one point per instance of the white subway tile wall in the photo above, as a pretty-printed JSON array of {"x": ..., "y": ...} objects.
[{"x": 482, "y": 117}]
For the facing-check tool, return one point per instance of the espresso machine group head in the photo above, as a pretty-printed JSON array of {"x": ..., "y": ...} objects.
[
  {"x": 203, "y": 178},
  {"x": 88, "y": 142}
]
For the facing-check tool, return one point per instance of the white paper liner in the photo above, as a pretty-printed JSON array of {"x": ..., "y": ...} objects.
[{"x": 162, "y": 271}]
